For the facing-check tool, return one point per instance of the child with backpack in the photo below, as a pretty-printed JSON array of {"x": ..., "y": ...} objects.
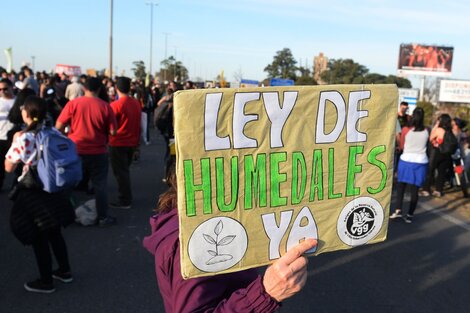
[{"x": 37, "y": 216}]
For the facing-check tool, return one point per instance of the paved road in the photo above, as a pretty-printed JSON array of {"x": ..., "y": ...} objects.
[{"x": 422, "y": 267}]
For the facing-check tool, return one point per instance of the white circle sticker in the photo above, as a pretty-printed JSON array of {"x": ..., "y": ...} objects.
[
  {"x": 217, "y": 244},
  {"x": 360, "y": 221}
]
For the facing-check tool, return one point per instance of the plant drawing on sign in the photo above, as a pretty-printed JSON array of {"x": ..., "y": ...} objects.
[
  {"x": 360, "y": 222},
  {"x": 216, "y": 256}
]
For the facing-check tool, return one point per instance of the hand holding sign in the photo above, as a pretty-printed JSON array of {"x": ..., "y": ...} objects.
[{"x": 288, "y": 275}]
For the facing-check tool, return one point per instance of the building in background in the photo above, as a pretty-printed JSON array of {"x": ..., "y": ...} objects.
[{"x": 320, "y": 64}]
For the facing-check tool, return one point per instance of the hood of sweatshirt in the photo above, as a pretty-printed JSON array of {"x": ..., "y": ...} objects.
[{"x": 163, "y": 226}]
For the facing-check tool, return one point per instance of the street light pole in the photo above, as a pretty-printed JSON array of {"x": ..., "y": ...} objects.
[
  {"x": 151, "y": 3},
  {"x": 166, "y": 50},
  {"x": 111, "y": 41}
]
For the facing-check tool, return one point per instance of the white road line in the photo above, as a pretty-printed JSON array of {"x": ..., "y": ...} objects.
[{"x": 445, "y": 216}]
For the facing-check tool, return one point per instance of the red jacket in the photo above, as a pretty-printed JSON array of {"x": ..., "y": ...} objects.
[{"x": 234, "y": 292}]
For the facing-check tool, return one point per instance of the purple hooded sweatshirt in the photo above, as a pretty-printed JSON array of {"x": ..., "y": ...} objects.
[{"x": 234, "y": 292}]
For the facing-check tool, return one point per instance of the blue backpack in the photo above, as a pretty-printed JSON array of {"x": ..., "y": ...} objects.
[{"x": 59, "y": 166}]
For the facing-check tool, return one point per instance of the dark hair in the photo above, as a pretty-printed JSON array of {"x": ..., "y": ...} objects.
[
  {"x": 417, "y": 120},
  {"x": 168, "y": 200},
  {"x": 93, "y": 84},
  {"x": 6, "y": 81},
  {"x": 460, "y": 123},
  {"x": 123, "y": 84},
  {"x": 404, "y": 103},
  {"x": 36, "y": 109},
  {"x": 445, "y": 122},
  {"x": 14, "y": 116}
]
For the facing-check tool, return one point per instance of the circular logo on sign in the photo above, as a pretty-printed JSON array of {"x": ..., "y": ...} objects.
[
  {"x": 360, "y": 221},
  {"x": 217, "y": 244}
]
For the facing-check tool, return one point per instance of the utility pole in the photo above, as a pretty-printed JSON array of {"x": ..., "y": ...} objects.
[
  {"x": 166, "y": 50},
  {"x": 111, "y": 41},
  {"x": 152, "y": 4},
  {"x": 32, "y": 62}
]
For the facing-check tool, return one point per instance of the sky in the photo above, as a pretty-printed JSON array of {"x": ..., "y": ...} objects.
[{"x": 237, "y": 37}]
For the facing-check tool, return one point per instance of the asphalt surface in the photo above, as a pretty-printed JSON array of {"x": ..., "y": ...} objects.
[{"x": 421, "y": 267}]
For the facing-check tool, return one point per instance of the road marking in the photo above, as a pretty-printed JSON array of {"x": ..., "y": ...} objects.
[{"x": 445, "y": 216}]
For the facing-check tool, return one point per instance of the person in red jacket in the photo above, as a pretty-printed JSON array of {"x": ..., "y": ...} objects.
[
  {"x": 242, "y": 292},
  {"x": 122, "y": 145},
  {"x": 91, "y": 120}
]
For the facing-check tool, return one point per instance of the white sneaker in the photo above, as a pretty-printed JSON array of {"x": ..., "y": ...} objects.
[{"x": 396, "y": 214}]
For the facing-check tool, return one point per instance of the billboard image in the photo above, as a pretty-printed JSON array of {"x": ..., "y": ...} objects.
[{"x": 425, "y": 59}]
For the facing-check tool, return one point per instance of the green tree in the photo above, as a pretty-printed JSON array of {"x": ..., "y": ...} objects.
[
  {"x": 344, "y": 72},
  {"x": 139, "y": 70},
  {"x": 374, "y": 78},
  {"x": 173, "y": 69},
  {"x": 283, "y": 65},
  {"x": 305, "y": 78},
  {"x": 349, "y": 72}
]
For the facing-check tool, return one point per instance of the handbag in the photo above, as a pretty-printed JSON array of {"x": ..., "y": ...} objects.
[
  {"x": 449, "y": 145},
  {"x": 30, "y": 180}
]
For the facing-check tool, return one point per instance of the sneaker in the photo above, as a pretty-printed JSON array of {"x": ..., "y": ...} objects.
[
  {"x": 119, "y": 205},
  {"x": 396, "y": 214},
  {"x": 39, "y": 286},
  {"x": 408, "y": 219},
  {"x": 424, "y": 193},
  {"x": 437, "y": 194},
  {"x": 63, "y": 277},
  {"x": 107, "y": 221}
]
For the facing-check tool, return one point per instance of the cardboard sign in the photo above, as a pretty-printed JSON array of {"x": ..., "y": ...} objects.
[{"x": 261, "y": 169}]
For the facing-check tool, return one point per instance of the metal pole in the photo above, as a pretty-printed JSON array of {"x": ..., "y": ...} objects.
[
  {"x": 32, "y": 62},
  {"x": 151, "y": 37},
  {"x": 111, "y": 42},
  {"x": 151, "y": 34},
  {"x": 166, "y": 51},
  {"x": 421, "y": 92}
]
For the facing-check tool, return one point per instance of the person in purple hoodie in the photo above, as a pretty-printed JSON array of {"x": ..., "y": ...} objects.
[{"x": 244, "y": 291}]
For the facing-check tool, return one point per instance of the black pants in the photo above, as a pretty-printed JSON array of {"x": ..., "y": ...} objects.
[
  {"x": 121, "y": 160},
  {"x": 401, "y": 187},
  {"x": 41, "y": 249},
  {"x": 4, "y": 146},
  {"x": 441, "y": 163}
]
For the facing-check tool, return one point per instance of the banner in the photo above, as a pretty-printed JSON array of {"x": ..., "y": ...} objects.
[
  {"x": 429, "y": 60},
  {"x": 69, "y": 70},
  {"x": 261, "y": 169},
  {"x": 454, "y": 91},
  {"x": 247, "y": 83},
  {"x": 275, "y": 82},
  {"x": 9, "y": 56}
]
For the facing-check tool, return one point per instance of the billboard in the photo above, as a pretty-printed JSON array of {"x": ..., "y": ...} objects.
[
  {"x": 261, "y": 169},
  {"x": 454, "y": 91},
  {"x": 68, "y": 69},
  {"x": 429, "y": 60},
  {"x": 409, "y": 95}
]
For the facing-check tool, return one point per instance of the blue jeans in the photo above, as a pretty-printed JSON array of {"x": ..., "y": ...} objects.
[{"x": 95, "y": 166}]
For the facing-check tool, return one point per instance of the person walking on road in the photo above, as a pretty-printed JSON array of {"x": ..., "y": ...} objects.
[
  {"x": 91, "y": 120},
  {"x": 413, "y": 164},
  {"x": 37, "y": 216},
  {"x": 123, "y": 145},
  {"x": 7, "y": 99}
]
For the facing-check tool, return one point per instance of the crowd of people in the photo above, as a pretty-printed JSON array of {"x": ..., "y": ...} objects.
[
  {"x": 429, "y": 157},
  {"x": 108, "y": 119}
]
